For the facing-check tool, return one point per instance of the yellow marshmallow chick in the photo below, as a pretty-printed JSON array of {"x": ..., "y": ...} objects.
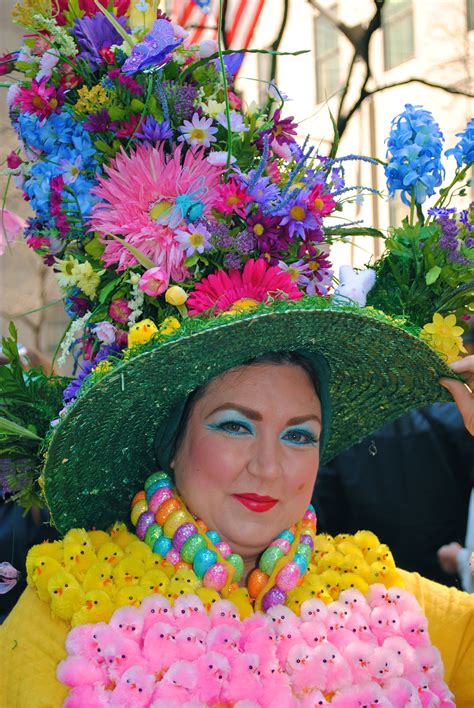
[
  {"x": 332, "y": 581},
  {"x": 382, "y": 573},
  {"x": 128, "y": 572},
  {"x": 296, "y": 597},
  {"x": 241, "y": 599},
  {"x": 41, "y": 571},
  {"x": 330, "y": 561},
  {"x": 347, "y": 548},
  {"x": 322, "y": 545},
  {"x": 317, "y": 588},
  {"x": 130, "y": 596},
  {"x": 80, "y": 537},
  {"x": 366, "y": 540},
  {"x": 142, "y": 332},
  {"x": 78, "y": 559},
  {"x": 110, "y": 553},
  {"x": 154, "y": 581},
  {"x": 98, "y": 538},
  {"x": 121, "y": 535},
  {"x": 157, "y": 562},
  {"x": 96, "y": 607},
  {"x": 381, "y": 553},
  {"x": 350, "y": 580},
  {"x": 354, "y": 563},
  {"x": 66, "y": 594},
  {"x": 139, "y": 550},
  {"x": 208, "y": 597},
  {"x": 100, "y": 576},
  {"x": 49, "y": 549}
]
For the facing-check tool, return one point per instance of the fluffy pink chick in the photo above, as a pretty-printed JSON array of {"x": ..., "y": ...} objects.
[
  {"x": 119, "y": 655},
  {"x": 224, "y": 612},
  {"x": 333, "y": 666},
  {"x": 339, "y": 636},
  {"x": 355, "y": 601},
  {"x": 359, "y": 625},
  {"x": 313, "y": 609},
  {"x": 276, "y": 690},
  {"x": 384, "y": 622},
  {"x": 314, "y": 632},
  {"x": 255, "y": 621},
  {"x": 82, "y": 640},
  {"x": 213, "y": 670},
  {"x": 401, "y": 693},
  {"x": 281, "y": 616},
  {"x": 403, "y": 600},
  {"x": 87, "y": 697},
  {"x": 189, "y": 611},
  {"x": 414, "y": 628},
  {"x": 429, "y": 661},
  {"x": 262, "y": 642},
  {"x": 155, "y": 608},
  {"x": 370, "y": 695},
  {"x": 385, "y": 664},
  {"x": 128, "y": 621},
  {"x": 338, "y": 613},
  {"x": 378, "y": 595},
  {"x": 405, "y": 653},
  {"x": 244, "y": 683},
  {"x": 191, "y": 643},
  {"x": 288, "y": 635},
  {"x": 134, "y": 689},
  {"x": 159, "y": 647},
  {"x": 79, "y": 671},
  {"x": 358, "y": 655},
  {"x": 178, "y": 684},
  {"x": 306, "y": 671},
  {"x": 223, "y": 639},
  {"x": 441, "y": 690}
]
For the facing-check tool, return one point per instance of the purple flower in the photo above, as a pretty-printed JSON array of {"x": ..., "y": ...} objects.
[
  {"x": 98, "y": 122},
  {"x": 154, "y": 50},
  {"x": 282, "y": 131},
  {"x": 337, "y": 179},
  {"x": 180, "y": 99},
  {"x": 96, "y": 33},
  {"x": 263, "y": 191},
  {"x": 245, "y": 242},
  {"x": 153, "y": 132},
  {"x": 297, "y": 216},
  {"x": 232, "y": 261},
  {"x": 220, "y": 235}
]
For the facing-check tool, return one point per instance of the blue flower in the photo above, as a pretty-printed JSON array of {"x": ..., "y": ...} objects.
[
  {"x": 464, "y": 150},
  {"x": 152, "y": 132},
  {"x": 96, "y": 33},
  {"x": 414, "y": 149},
  {"x": 154, "y": 50}
]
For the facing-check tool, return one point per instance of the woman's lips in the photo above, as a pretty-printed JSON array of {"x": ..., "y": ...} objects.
[{"x": 255, "y": 502}]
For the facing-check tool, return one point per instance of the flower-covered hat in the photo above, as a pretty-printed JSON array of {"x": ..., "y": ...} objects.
[{"x": 191, "y": 232}]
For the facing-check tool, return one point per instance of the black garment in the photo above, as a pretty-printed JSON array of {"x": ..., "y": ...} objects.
[{"x": 409, "y": 483}]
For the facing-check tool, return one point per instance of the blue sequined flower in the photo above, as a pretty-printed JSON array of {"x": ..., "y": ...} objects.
[
  {"x": 414, "y": 149},
  {"x": 464, "y": 150}
]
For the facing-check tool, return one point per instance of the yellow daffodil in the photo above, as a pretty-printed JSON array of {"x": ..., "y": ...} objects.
[
  {"x": 444, "y": 336},
  {"x": 87, "y": 279}
]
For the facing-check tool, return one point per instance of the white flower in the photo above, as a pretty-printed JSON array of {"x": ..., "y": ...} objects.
[
  {"x": 237, "y": 123},
  {"x": 47, "y": 63},
  {"x": 195, "y": 240},
  {"x": 198, "y": 131},
  {"x": 213, "y": 108},
  {"x": 219, "y": 157}
]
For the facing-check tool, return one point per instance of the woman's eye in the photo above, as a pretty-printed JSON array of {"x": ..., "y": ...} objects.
[
  {"x": 300, "y": 437},
  {"x": 234, "y": 427}
]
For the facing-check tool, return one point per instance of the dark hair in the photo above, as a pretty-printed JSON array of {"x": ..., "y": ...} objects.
[{"x": 278, "y": 358}]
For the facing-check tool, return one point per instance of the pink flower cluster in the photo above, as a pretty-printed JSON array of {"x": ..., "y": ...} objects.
[{"x": 352, "y": 652}]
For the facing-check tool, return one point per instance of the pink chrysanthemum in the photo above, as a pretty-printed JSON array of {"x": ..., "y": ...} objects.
[
  {"x": 40, "y": 99},
  {"x": 321, "y": 202},
  {"x": 232, "y": 199},
  {"x": 222, "y": 291},
  {"x": 138, "y": 190}
]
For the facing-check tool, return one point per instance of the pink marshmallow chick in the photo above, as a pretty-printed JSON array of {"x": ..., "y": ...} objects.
[
  {"x": 282, "y": 616},
  {"x": 369, "y": 694},
  {"x": 263, "y": 643},
  {"x": 384, "y": 622},
  {"x": 129, "y": 622},
  {"x": 134, "y": 689},
  {"x": 355, "y": 601},
  {"x": 189, "y": 611},
  {"x": 306, "y": 671},
  {"x": 255, "y": 621},
  {"x": 405, "y": 653},
  {"x": 155, "y": 608},
  {"x": 213, "y": 671},
  {"x": 414, "y": 628},
  {"x": 159, "y": 647},
  {"x": 313, "y": 699},
  {"x": 191, "y": 643},
  {"x": 441, "y": 690},
  {"x": 401, "y": 693},
  {"x": 429, "y": 661},
  {"x": 331, "y": 665},
  {"x": 82, "y": 639},
  {"x": 359, "y": 625},
  {"x": 358, "y": 655},
  {"x": 276, "y": 690},
  {"x": 378, "y": 596},
  {"x": 80, "y": 671},
  {"x": 223, "y": 639},
  {"x": 403, "y": 600},
  {"x": 178, "y": 684},
  {"x": 339, "y": 636},
  {"x": 288, "y": 635},
  {"x": 314, "y": 632},
  {"x": 385, "y": 664},
  {"x": 338, "y": 613},
  {"x": 119, "y": 655},
  {"x": 87, "y": 697},
  {"x": 313, "y": 609},
  {"x": 244, "y": 682},
  {"x": 225, "y": 612}
]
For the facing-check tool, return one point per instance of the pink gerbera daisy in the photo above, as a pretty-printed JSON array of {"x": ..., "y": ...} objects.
[
  {"x": 237, "y": 290},
  {"x": 232, "y": 199},
  {"x": 40, "y": 99},
  {"x": 321, "y": 202},
  {"x": 138, "y": 199}
]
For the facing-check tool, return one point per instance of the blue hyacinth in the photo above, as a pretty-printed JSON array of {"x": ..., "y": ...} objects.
[
  {"x": 414, "y": 149},
  {"x": 464, "y": 150}
]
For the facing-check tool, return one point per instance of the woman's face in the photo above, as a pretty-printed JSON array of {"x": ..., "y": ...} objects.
[{"x": 249, "y": 456}]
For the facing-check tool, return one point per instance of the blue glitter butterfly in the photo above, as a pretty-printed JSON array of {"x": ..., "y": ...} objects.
[
  {"x": 154, "y": 50},
  {"x": 188, "y": 206}
]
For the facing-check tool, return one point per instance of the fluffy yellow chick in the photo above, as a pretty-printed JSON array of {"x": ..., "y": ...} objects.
[
  {"x": 382, "y": 573},
  {"x": 241, "y": 599},
  {"x": 350, "y": 580},
  {"x": 354, "y": 563},
  {"x": 366, "y": 540},
  {"x": 128, "y": 572},
  {"x": 330, "y": 561},
  {"x": 208, "y": 597},
  {"x": 79, "y": 536},
  {"x": 322, "y": 545},
  {"x": 53, "y": 549},
  {"x": 142, "y": 332},
  {"x": 296, "y": 597},
  {"x": 154, "y": 581},
  {"x": 138, "y": 549},
  {"x": 66, "y": 594},
  {"x": 332, "y": 582},
  {"x": 341, "y": 538},
  {"x": 97, "y": 606},
  {"x": 317, "y": 588},
  {"x": 110, "y": 553},
  {"x": 130, "y": 596},
  {"x": 381, "y": 553},
  {"x": 42, "y": 568},
  {"x": 347, "y": 548},
  {"x": 100, "y": 576},
  {"x": 157, "y": 562},
  {"x": 98, "y": 538},
  {"x": 121, "y": 535},
  {"x": 78, "y": 559}
]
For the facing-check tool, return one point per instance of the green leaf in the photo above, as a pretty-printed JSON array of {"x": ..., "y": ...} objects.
[
  {"x": 116, "y": 113},
  {"x": 73, "y": 11},
  {"x": 356, "y": 231},
  {"x": 141, "y": 258},
  {"x": 94, "y": 248},
  {"x": 432, "y": 275},
  {"x": 137, "y": 106},
  {"x": 108, "y": 289},
  {"x": 7, "y": 427},
  {"x": 103, "y": 147},
  {"x": 191, "y": 260}
]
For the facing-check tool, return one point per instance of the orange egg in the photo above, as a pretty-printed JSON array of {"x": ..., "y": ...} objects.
[
  {"x": 166, "y": 509},
  {"x": 201, "y": 525},
  {"x": 137, "y": 497},
  {"x": 256, "y": 582},
  {"x": 183, "y": 564},
  {"x": 137, "y": 509}
]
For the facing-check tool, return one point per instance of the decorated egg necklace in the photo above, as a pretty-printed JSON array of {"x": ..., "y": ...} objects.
[{"x": 162, "y": 520}]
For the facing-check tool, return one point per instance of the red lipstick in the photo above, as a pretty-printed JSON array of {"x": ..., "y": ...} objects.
[{"x": 255, "y": 502}]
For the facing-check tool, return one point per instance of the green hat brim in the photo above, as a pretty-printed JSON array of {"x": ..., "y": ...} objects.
[{"x": 102, "y": 450}]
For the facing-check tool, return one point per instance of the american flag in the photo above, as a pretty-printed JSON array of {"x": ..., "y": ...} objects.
[{"x": 241, "y": 20}]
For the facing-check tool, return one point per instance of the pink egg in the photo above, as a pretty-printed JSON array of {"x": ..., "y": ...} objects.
[
  {"x": 224, "y": 548},
  {"x": 282, "y": 543},
  {"x": 158, "y": 497},
  {"x": 288, "y": 576},
  {"x": 215, "y": 577},
  {"x": 310, "y": 515},
  {"x": 173, "y": 556}
]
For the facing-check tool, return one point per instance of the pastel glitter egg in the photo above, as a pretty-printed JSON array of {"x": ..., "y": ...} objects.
[
  {"x": 157, "y": 499},
  {"x": 215, "y": 577},
  {"x": 213, "y": 536},
  {"x": 182, "y": 534},
  {"x": 273, "y": 597},
  {"x": 303, "y": 550},
  {"x": 166, "y": 509},
  {"x": 173, "y": 556},
  {"x": 282, "y": 543},
  {"x": 256, "y": 582},
  {"x": 152, "y": 534},
  {"x": 192, "y": 546},
  {"x": 201, "y": 525},
  {"x": 269, "y": 558},
  {"x": 174, "y": 521},
  {"x": 162, "y": 545},
  {"x": 224, "y": 549},
  {"x": 137, "y": 509},
  {"x": 288, "y": 576},
  {"x": 301, "y": 561},
  {"x": 235, "y": 560},
  {"x": 155, "y": 477},
  {"x": 307, "y": 540},
  {"x": 159, "y": 484},
  {"x": 288, "y": 535},
  {"x": 144, "y": 521},
  {"x": 203, "y": 560},
  {"x": 137, "y": 497}
]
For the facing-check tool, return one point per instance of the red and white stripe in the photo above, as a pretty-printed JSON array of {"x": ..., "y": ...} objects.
[{"x": 242, "y": 18}]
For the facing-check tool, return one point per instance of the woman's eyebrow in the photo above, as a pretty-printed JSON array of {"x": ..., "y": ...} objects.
[{"x": 255, "y": 415}]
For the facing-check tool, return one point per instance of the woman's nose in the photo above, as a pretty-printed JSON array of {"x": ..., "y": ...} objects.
[{"x": 265, "y": 462}]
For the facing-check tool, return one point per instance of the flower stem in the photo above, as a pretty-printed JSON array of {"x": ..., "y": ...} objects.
[{"x": 224, "y": 83}]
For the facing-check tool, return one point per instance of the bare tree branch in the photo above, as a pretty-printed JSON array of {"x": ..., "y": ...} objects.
[
  {"x": 426, "y": 82},
  {"x": 353, "y": 34},
  {"x": 277, "y": 41}
]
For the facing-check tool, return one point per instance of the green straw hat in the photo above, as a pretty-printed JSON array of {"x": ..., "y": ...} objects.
[{"x": 103, "y": 448}]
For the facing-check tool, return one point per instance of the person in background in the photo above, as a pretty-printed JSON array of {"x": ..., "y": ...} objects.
[{"x": 457, "y": 559}]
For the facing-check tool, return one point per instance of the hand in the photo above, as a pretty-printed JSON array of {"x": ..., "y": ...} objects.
[
  {"x": 447, "y": 556},
  {"x": 463, "y": 393}
]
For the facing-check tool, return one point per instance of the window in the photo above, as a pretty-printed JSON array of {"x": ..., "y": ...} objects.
[
  {"x": 327, "y": 57},
  {"x": 398, "y": 34},
  {"x": 470, "y": 14}
]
